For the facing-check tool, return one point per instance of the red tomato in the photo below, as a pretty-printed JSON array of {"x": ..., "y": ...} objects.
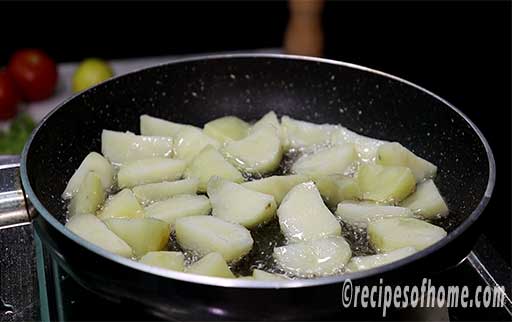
[
  {"x": 34, "y": 73},
  {"x": 9, "y": 96}
]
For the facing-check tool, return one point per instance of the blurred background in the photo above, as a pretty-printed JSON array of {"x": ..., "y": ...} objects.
[{"x": 459, "y": 50}]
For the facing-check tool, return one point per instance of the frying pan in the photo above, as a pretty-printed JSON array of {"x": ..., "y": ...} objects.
[{"x": 200, "y": 89}]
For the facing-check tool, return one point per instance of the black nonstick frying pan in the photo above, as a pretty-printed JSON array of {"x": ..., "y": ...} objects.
[{"x": 200, "y": 89}]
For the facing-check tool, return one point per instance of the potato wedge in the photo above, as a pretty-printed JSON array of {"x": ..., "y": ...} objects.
[
  {"x": 360, "y": 214},
  {"x": 234, "y": 203},
  {"x": 258, "y": 153},
  {"x": 121, "y": 205},
  {"x": 169, "y": 260},
  {"x": 270, "y": 119},
  {"x": 227, "y": 128},
  {"x": 366, "y": 147},
  {"x": 395, "y": 154},
  {"x": 119, "y": 147},
  {"x": 89, "y": 197},
  {"x": 427, "y": 201},
  {"x": 142, "y": 234},
  {"x": 337, "y": 188},
  {"x": 152, "y": 192},
  {"x": 212, "y": 264},
  {"x": 362, "y": 263},
  {"x": 303, "y": 215},
  {"x": 277, "y": 186},
  {"x": 178, "y": 206},
  {"x": 153, "y": 126},
  {"x": 301, "y": 134},
  {"x": 335, "y": 160},
  {"x": 260, "y": 275},
  {"x": 90, "y": 228},
  {"x": 149, "y": 171},
  {"x": 208, "y": 163},
  {"x": 389, "y": 234},
  {"x": 388, "y": 184},
  {"x": 207, "y": 234},
  {"x": 189, "y": 141},
  {"x": 321, "y": 257},
  {"x": 93, "y": 162}
]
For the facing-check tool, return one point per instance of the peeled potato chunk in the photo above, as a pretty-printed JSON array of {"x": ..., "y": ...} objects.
[
  {"x": 277, "y": 186},
  {"x": 152, "y": 192},
  {"x": 226, "y": 128},
  {"x": 90, "y": 228},
  {"x": 260, "y": 275},
  {"x": 366, "y": 147},
  {"x": 360, "y": 214},
  {"x": 395, "y": 154},
  {"x": 270, "y": 119},
  {"x": 142, "y": 234},
  {"x": 362, "y": 263},
  {"x": 154, "y": 126},
  {"x": 178, "y": 206},
  {"x": 388, "y": 234},
  {"x": 328, "y": 161},
  {"x": 303, "y": 215},
  {"x": 89, "y": 197},
  {"x": 234, "y": 203},
  {"x": 259, "y": 152},
  {"x": 320, "y": 257},
  {"x": 149, "y": 171},
  {"x": 385, "y": 183},
  {"x": 170, "y": 260},
  {"x": 300, "y": 134},
  {"x": 427, "y": 201},
  {"x": 119, "y": 147},
  {"x": 93, "y": 162},
  {"x": 336, "y": 188},
  {"x": 122, "y": 205},
  {"x": 212, "y": 264},
  {"x": 208, "y": 163},
  {"x": 207, "y": 234},
  {"x": 189, "y": 141}
]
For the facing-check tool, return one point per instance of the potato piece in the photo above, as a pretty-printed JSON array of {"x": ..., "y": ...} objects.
[
  {"x": 388, "y": 234},
  {"x": 270, "y": 119},
  {"x": 395, "y": 154},
  {"x": 234, "y": 203},
  {"x": 93, "y": 162},
  {"x": 226, "y": 128},
  {"x": 387, "y": 184},
  {"x": 300, "y": 134},
  {"x": 260, "y": 275},
  {"x": 250, "y": 278},
  {"x": 153, "y": 126},
  {"x": 178, "y": 206},
  {"x": 90, "y": 228},
  {"x": 362, "y": 263},
  {"x": 212, "y": 264},
  {"x": 142, "y": 234},
  {"x": 360, "y": 214},
  {"x": 89, "y": 197},
  {"x": 303, "y": 215},
  {"x": 170, "y": 260},
  {"x": 366, "y": 147},
  {"x": 328, "y": 161},
  {"x": 320, "y": 257},
  {"x": 277, "y": 186},
  {"x": 149, "y": 171},
  {"x": 189, "y": 141},
  {"x": 427, "y": 201},
  {"x": 337, "y": 188},
  {"x": 122, "y": 205},
  {"x": 119, "y": 147},
  {"x": 208, "y": 163},
  {"x": 206, "y": 234},
  {"x": 259, "y": 153},
  {"x": 152, "y": 192}
]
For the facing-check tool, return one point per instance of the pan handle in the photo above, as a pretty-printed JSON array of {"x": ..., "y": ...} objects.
[{"x": 13, "y": 209}]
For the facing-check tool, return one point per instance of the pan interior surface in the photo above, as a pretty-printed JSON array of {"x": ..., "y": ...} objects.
[{"x": 197, "y": 91}]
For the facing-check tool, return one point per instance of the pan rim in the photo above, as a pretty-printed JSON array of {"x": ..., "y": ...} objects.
[{"x": 240, "y": 283}]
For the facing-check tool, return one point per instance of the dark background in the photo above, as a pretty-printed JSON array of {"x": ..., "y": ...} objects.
[{"x": 459, "y": 50}]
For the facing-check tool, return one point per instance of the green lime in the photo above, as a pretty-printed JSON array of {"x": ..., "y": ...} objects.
[{"x": 90, "y": 72}]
